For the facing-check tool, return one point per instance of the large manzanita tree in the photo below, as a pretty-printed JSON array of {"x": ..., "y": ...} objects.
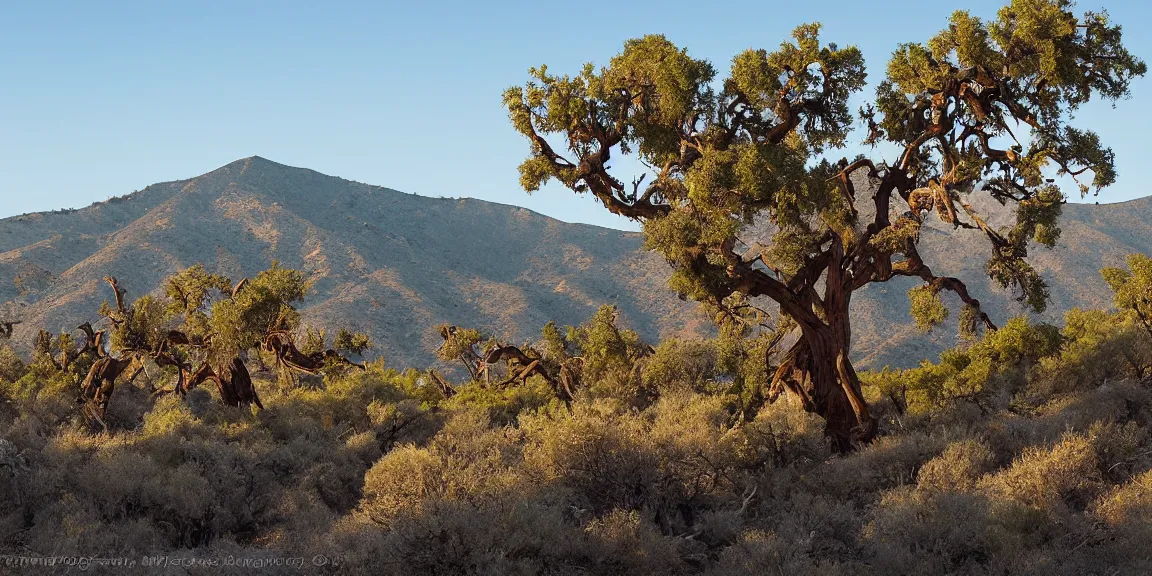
[{"x": 981, "y": 109}]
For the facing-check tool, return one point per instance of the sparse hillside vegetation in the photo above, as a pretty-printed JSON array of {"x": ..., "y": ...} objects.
[{"x": 1026, "y": 451}]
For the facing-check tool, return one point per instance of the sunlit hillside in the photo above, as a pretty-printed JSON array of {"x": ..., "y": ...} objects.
[{"x": 391, "y": 264}]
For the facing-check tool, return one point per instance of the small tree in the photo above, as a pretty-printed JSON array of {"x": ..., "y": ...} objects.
[
  {"x": 460, "y": 345},
  {"x": 754, "y": 146},
  {"x": 1133, "y": 288},
  {"x": 206, "y": 329},
  {"x": 597, "y": 352},
  {"x": 135, "y": 330}
]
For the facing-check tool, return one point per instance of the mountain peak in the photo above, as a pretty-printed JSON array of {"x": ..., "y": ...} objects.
[
  {"x": 388, "y": 263},
  {"x": 241, "y": 166}
]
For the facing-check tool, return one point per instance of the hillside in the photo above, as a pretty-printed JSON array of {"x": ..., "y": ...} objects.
[
  {"x": 396, "y": 264},
  {"x": 390, "y": 263}
]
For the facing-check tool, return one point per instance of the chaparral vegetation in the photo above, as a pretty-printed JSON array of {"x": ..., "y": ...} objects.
[
  {"x": 585, "y": 451},
  {"x": 209, "y": 421}
]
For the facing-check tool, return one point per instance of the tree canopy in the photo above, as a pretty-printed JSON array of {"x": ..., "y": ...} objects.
[
  {"x": 1133, "y": 287},
  {"x": 981, "y": 109}
]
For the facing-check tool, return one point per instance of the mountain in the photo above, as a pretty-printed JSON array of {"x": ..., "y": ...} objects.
[
  {"x": 396, "y": 264},
  {"x": 390, "y": 263}
]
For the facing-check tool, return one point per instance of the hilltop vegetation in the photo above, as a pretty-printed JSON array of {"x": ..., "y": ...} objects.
[{"x": 1027, "y": 450}]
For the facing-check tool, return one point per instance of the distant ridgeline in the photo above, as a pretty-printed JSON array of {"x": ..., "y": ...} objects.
[{"x": 392, "y": 265}]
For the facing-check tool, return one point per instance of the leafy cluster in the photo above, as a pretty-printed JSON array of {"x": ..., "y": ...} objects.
[
  {"x": 721, "y": 154},
  {"x": 1133, "y": 287}
]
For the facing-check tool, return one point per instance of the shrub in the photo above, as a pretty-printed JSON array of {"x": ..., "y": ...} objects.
[
  {"x": 758, "y": 552},
  {"x": 958, "y": 468},
  {"x": 998, "y": 465},
  {"x": 917, "y": 532},
  {"x": 682, "y": 366},
  {"x": 12, "y": 368},
  {"x": 467, "y": 460},
  {"x": 1067, "y": 473}
]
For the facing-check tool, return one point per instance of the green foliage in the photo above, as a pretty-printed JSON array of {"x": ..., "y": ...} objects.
[
  {"x": 45, "y": 397},
  {"x": 144, "y": 327},
  {"x": 504, "y": 404},
  {"x": 607, "y": 350},
  {"x": 998, "y": 363},
  {"x": 610, "y": 357},
  {"x": 57, "y": 355},
  {"x": 1133, "y": 287},
  {"x": 682, "y": 366},
  {"x": 12, "y": 367},
  {"x": 461, "y": 343},
  {"x": 928, "y": 309},
  {"x": 265, "y": 304},
  {"x": 652, "y": 92},
  {"x": 351, "y": 342},
  {"x": 554, "y": 345},
  {"x": 190, "y": 293},
  {"x": 1097, "y": 346}
]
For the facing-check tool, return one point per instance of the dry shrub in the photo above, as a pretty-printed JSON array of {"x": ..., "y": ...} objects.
[
  {"x": 821, "y": 527},
  {"x": 405, "y": 421},
  {"x": 1066, "y": 474},
  {"x": 1128, "y": 504},
  {"x": 758, "y": 552},
  {"x": 888, "y": 462},
  {"x": 1031, "y": 476},
  {"x": 784, "y": 434},
  {"x": 927, "y": 532},
  {"x": 629, "y": 544},
  {"x": 188, "y": 472},
  {"x": 1126, "y": 511},
  {"x": 509, "y": 534},
  {"x": 467, "y": 461},
  {"x": 665, "y": 461},
  {"x": 958, "y": 468}
]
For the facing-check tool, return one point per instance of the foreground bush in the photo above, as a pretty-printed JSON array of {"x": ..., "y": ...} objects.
[{"x": 1025, "y": 452}]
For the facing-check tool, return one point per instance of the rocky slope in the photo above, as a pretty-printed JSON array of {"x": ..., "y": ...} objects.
[{"x": 396, "y": 265}]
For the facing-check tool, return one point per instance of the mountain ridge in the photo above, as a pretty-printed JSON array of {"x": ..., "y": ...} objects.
[
  {"x": 396, "y": 264},
  {"x": 362, "y": 246}
]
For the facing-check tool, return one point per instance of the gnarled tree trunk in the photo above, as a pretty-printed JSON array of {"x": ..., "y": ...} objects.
[
  {"x": 818, "y": 370},
  {"x": 97, "y": 387},
  {"x": 232, "y": 381}
]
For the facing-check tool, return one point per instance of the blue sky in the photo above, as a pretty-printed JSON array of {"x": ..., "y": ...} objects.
[{"x": 100, "y": 99}]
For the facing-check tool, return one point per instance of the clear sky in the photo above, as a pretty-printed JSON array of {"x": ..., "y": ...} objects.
[{"x": 99, "y": 99}]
